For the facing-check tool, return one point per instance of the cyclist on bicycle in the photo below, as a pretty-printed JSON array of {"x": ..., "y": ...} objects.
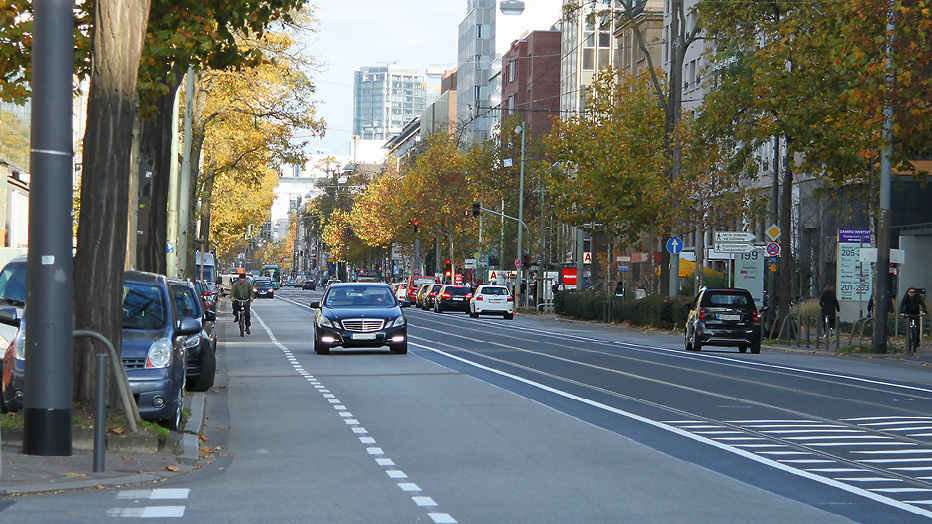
[
  {"x": 242, "y": 290},
  {"x": 912, "y": 303}
]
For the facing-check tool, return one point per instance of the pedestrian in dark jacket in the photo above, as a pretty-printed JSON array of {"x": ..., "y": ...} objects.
[
  {"x": 829, "y": 305},
  {"x": 870, "y": 306},
  {"x": 912, "y": 303}
]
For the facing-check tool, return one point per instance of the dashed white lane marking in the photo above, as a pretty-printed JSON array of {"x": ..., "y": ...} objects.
[
  {"x": 154, "y": 494},
  {"x": 150, "y": 512},
  {"x": 374, "y": 451}
]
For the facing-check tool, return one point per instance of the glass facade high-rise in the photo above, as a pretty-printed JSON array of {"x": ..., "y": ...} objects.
[{"x": 385, "y": 98}]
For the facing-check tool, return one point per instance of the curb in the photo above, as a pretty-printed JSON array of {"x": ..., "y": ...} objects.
[{"x": 183, "y": 444}]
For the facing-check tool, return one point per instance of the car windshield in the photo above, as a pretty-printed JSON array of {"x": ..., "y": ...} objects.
[
  {"x": 360, "y": 297},
  {"x": 494, "y": 291},
  {"x": 185, "y": 302},
  {"x": 143, "y": 306},
  {"x": 13, "y": 284},
  {"x": 459, "y": 291},
  {"x": 727, "y": 299}
]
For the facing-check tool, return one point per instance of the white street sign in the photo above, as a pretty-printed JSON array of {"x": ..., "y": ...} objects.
[
  {"x": 734, "y": 248},
  {"x": 732, "y": 237}
]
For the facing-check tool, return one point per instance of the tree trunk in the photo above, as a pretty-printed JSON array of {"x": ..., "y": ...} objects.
[
  {"x": 155, "y": 145},
  {"x": 102, "y": 225}
]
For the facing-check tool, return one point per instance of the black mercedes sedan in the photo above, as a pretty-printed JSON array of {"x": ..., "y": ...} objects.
[{"x": 360, "y": 315}]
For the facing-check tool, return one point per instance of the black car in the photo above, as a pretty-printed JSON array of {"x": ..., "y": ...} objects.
[
  {"x": 360, "y": 315},
  {"x": 309, "y": 284},
  {"x": 452, "y": 298},
  {"x": 263, "y": 288},
  {"x": 723, "y": 317},
  {"x": 12, "y": 332},
  {"x": 153, "y": 351},
  {"x": 201, "y": 348}
]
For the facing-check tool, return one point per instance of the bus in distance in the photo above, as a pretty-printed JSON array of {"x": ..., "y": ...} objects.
[{"x": 274, "y": 273}]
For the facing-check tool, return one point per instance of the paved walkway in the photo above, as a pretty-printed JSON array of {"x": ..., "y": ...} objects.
[{"x": 131, "y": 460}]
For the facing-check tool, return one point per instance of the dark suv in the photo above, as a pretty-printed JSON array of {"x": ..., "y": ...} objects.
[
  {"x": 200, "y": 347},
  {"x": 723, "y": 317},
  {"x": 452, "y": 298},
  {"x": 153, "y": 349}
]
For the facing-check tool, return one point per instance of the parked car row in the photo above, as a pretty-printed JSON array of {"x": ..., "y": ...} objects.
[
  {"x": 168, "y": 341},
  {"x": 487, "y": 299}
]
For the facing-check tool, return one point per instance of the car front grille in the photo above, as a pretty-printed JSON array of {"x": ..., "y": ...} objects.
[
  {"x": 134, "y": 363},
  {"x": 363, "y": 325}
]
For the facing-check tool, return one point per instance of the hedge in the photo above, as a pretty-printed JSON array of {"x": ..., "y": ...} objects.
[{"x": 653, "y": 311}]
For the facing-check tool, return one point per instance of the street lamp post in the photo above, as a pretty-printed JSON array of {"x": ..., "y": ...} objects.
[{"x": 520, "y": 129}]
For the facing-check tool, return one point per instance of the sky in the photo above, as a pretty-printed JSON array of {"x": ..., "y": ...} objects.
[{"x": 418, "y": 34}]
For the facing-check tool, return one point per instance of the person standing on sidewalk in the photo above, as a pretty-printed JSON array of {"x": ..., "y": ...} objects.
[
  {"x": 829, "y": 307},
  {"x": 242, "y": 290}
]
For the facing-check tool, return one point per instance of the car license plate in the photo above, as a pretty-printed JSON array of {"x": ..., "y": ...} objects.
[
  {"x": 496, "y": 301},
  {"x": 363, "y": 336},
  {"x": 458, "y": 299},
  {"x": 729, "y": 317}
]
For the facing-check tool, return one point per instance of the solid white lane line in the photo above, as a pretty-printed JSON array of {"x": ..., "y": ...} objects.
[{"x": 699, "y": 438}]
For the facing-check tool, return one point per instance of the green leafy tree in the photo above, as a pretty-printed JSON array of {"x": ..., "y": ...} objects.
[{"x": 813, "y": 73}]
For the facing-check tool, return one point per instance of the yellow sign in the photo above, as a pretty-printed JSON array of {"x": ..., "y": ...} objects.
[{"x": 773, "y": 232}]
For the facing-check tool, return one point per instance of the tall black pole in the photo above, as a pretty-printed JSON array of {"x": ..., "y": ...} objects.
[
  {"x": 48, "y": 405},
  {"x": 882, "y": 276}
]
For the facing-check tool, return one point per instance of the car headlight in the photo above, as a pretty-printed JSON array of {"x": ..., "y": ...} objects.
[
  {"x": 19, "y": 344},
  {"x": 398, "y": 322},
  {"x": 192, "y": 341},
  {"x": 160, "y": 354},
  {"x": 324, "y": 322}
]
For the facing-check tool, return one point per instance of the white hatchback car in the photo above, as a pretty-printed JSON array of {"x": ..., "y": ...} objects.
[{"x": 492, "y": 300}]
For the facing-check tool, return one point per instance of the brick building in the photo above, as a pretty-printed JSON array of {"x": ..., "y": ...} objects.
[{"x": 531, "y": 80}]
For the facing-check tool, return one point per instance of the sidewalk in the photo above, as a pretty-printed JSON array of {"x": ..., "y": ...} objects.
[{"x": 130, "y": 459}]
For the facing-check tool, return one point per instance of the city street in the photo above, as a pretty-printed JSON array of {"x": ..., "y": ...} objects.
[{"x": 534, "y": 420}]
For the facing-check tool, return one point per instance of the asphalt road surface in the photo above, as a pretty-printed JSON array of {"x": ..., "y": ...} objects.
[{"x": 534, "y": 420}]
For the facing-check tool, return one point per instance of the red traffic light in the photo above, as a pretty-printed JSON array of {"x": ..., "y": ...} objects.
[{"x": 415, "y": 222}]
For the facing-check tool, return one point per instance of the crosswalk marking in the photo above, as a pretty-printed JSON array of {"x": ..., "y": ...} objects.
[{"x": 151, "y": 512}]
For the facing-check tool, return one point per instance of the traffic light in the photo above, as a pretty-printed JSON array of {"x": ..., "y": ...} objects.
[
  {"x": 527, "y": 260},
  {"x": 447, "y": 268},
  {"x": 415, "y": 224},
  {"x": 476, "y": 206}
]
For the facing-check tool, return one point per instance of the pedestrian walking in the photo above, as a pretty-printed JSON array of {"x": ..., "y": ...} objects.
[{"x": 829, "y": 307}]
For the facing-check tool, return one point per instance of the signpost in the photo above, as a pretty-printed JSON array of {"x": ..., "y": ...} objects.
[
  {"x": 854, "y": 277},
  {"x": 733, "y": 242},
  {"x": 749, "y": 274}
]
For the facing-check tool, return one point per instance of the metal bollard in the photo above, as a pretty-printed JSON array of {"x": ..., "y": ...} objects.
[
  {"x": 100, "y": 413},
  {"x": 818, "y": 331},
  {"x": 808, "y": 322}
]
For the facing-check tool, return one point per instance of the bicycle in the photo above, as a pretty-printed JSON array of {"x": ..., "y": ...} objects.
[
  {"x": 243, "y": 306},
  {"x": 912, "y": 332}
]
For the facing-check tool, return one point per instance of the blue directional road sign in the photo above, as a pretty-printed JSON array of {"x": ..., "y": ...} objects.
[{"x": 675, "y": 246}]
